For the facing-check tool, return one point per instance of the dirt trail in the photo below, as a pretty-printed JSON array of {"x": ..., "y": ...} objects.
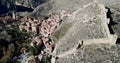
[
  {"x": 74, "y": 13},
  {"x": 67, "y": 53}
]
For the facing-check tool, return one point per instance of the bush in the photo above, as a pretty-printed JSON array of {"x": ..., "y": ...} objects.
[
  {"x": 48, "y": 59},
  {"x": 10, "y": 48}
]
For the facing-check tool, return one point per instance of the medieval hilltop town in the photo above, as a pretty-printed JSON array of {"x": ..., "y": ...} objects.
[{"x": 65, "y": 35}]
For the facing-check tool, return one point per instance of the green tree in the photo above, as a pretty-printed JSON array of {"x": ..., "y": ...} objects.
[
  {"x": 48, "y": 59},
  {"x": 32, "y": 51}
]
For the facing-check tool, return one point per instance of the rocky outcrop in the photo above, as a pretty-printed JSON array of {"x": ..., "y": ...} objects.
[
  {"x": 19, "y": 6},
  {"x": 30, "y": 3},
  {"x": 25, "y": 3}
]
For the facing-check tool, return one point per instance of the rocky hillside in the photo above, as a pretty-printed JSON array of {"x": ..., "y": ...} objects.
[
  {"x": 57, "y": 6},
  {"x": 94, "y": 54},
  {"x": 73, "y": 14},
  {"x": 26, "y": 3}
]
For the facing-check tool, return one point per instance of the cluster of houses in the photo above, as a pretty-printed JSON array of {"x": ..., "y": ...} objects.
[
  {"x": 42, "y": 28},
  {"x": 6, "y": 18}
]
